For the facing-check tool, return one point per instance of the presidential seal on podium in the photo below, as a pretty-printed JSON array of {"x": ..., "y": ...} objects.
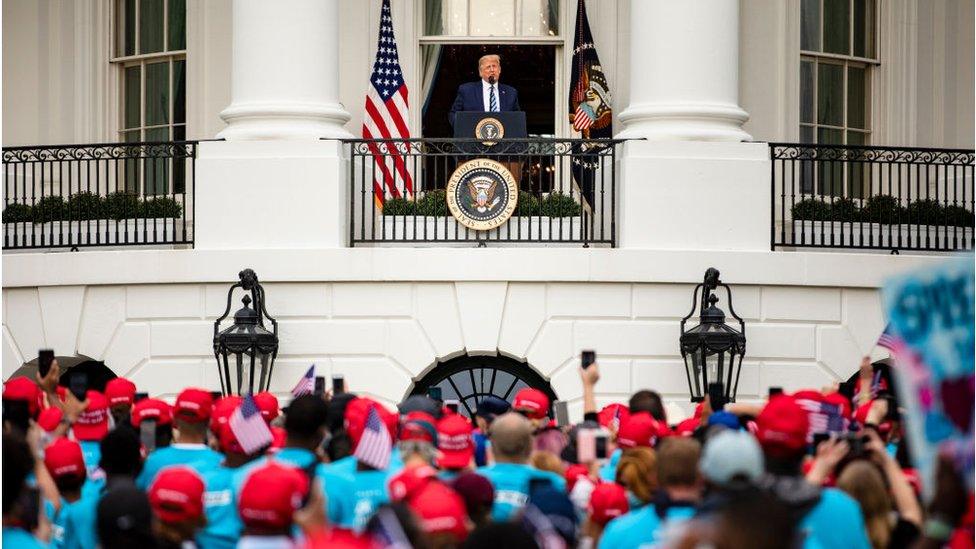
[
  {"x": 489, "y": 130},
  {"x": 482, "y": 194}
]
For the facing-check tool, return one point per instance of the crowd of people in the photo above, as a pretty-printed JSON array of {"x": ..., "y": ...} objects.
[{"x": 343, "y": 470}]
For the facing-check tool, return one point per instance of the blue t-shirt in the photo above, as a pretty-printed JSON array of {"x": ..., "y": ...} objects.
[
  {"x": 91, "y": 452},
  {"x": 608, "y": 471},
  {"x": 511, "y": 482},
  {"x": 836, "y": 521},
  {"x": 198, "y": 457},
  {"x": 56, "y": 518},
  {"x": 224, "y": 525},
  {"x": 642, "y": 526},
  {"x": 17, "y": 538},
  {"x": 79, "y": 521}
]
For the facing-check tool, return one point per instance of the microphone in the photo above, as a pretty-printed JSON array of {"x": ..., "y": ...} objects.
[{"x": 491, "y": 80}]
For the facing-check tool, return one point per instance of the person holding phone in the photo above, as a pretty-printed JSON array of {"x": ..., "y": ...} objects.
[{"x": 191, "y": 416}]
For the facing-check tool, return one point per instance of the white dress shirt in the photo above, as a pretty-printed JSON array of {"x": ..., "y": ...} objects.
[{"x": 486, "y": 94}]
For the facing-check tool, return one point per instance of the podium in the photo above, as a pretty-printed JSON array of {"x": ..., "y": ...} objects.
[{"x": 493, "y": 128}]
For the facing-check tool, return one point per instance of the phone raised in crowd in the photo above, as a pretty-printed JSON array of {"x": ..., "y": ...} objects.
[
  {"x": 45, "y": 357},
  {"x": 141, "y": 396},
  {"x": 716, "y": 398},
  {"x": 600, "y": 443},
  {"x": 216, "y": 395},
  {"x": 436, "y": 393},
  {"x": 147, "y": 434},
  {"x": 773, "y": 391},
  {"x": 453, "y": 405},
  {"x": 587, "y": 358},
  {"x": 318, "y": 388},
  {"x": 338, "y": 384},
  {"x": 562, "y": 413},
  {"x": 78, "y": 385}
]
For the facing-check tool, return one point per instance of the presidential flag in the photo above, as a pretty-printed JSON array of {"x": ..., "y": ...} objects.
[
  {"x": 306, "y": 385},
  {"x": 590, "y": 110},
  {"x": 825, "y": 417},
  {"x": 386, "y": 117},
  {"x": 375, "y": 444},
  {"x": 249, "y": 427}
]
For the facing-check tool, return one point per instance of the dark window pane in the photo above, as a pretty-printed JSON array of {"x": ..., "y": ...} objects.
[
  {"x": 150, "y": 26},
  {"x": 129, "y": 27},
  {"x": 810, "y": 25},
  {"x": 830, "y": 94},
  {"x": 156, "y": 169},
  {"x": 856, "y": 97},
  {"x": 858, "y": 174},
  {"x": 806, "y": 134},
  {"x": 130, "y": 174},
  {"x": 179, "y": 164},
  {"x": 177, "y": 25},
  {"x": 179, "y": 91},
  {"x": 131, "y": 96},
  {"x": 836, "y": 26},
  {"x": 806, "y": 91},
  {"x": 157, "y": 94},
  {"x": 864, "y": 28},
  {"x": 433, "y": 17},
  {"x": 806, "y": 166},
  {"x": 830, "y": 174}
]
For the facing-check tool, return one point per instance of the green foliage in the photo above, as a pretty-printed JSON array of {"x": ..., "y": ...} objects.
[
  {"x": 18, "y": 213},
  {"x": 559, "y": 205},
  {"x": 433, "y": 204},
  {"x": 122, "y": 205},
  {"x": 161, "y": 207},
  {"x": 399, "y": 206},
  {"x": 528, "y": 204},
  {"x": 85, "y": 205},
  {"x": 883, "y": 209},
  {"x": 50, "y": 208}
]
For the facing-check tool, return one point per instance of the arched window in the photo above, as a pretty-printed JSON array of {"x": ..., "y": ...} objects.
[{"x": 468, "y": 379}]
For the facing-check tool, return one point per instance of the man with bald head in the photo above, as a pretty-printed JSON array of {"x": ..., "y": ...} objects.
[
  {"x": 512, "y": 476},
  {"x": 487, "y": 94}
]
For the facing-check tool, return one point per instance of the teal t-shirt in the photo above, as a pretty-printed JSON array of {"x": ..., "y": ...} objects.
[
  {"x": 57, "y": 521},
  {"x": 198, "y": 457},
  {"x": 17, "y": 538},
  {"x": 836, "y": 521},
  {"x": 608, "y": 471},
  {"x": 511, "y": 482},
  {"x": 91, "y": 452},
  {"x": 79, "y": 521},
  {"x": 642, "y": 526},
  {"x": 224, "y": 525}
]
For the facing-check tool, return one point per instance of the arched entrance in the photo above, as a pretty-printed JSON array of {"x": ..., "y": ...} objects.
[{"x": 468, "y": 379}]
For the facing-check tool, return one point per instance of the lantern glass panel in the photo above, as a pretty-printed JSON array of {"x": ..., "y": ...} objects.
[{"x": 239, "y": 357}]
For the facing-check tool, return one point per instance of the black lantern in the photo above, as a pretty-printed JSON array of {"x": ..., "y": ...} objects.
[
  {"x": 247, "y": 344},
  {"x": 713, "y": 350}
]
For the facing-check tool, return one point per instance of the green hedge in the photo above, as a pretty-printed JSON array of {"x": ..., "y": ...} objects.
[
  {"x": 85, "y": 205},
  {"x": 882, "y": 209},
  {"x": 434, "y": 204}
]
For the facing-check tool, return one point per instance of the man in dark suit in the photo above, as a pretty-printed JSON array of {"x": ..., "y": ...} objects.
[{"x": 487, "y": 94}]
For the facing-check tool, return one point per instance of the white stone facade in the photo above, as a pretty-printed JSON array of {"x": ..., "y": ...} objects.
[{"x": 357, "y": 312}]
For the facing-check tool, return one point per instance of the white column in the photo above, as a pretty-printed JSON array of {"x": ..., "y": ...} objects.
[
  {"x": 684, "y": 80},
  {"x": 285, "y": 71}
]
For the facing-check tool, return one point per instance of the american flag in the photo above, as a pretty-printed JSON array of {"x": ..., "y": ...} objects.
[
  {"x": 386, "y": 117},
  {"x": 387, "y": 532},
  {"x": 249, "y": 427},
  {"x": 824, "y": 417},
  {"x": 305, "y": 385},
  {"x": 890, "y": 341},
  {"x": 375, "y": 445}
]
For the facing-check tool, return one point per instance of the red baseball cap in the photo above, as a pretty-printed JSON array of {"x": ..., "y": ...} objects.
[
  {"x": 193, "y": 405},
  {"x": 607, "y": 501},
  {"x": 268, "y": 404},
  {"x": 782, "y": 427},
  {"x": 574, "y": 473},
  {"x": 120, "y": 391},
  {"x": 687, "y": 427},
  {"x": 63, "y": 458},
  {"x": 639, "y": 430},
  {"x": 23, "y": 388},
  {"x": 151, "y": 408},
  {"x": 49, "y": 418},
  {"x": 420, "y": 426},
  {"x": 92, "y": 424},
  {"x": 270, "y": 495},
  {"x": 357, "y": 411},
  {"x": 177, "y": 494},
  {"x": 454, "y": 442},
  {"x": 612, "y": 412},
  {"x": 440, "y": 508},
  {"x": 222, "y": 410},
  {"x": 532, "y": 402},
  {"x": 279, "y": 437}
]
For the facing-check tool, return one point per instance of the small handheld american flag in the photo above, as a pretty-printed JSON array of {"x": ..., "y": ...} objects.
[
  {"x": 890, "y": 341},
  {"x": 375, "y": 445},
  {"x": 249, "y": 427},
  {"x": 824, "y": 417},
  {"x": 306, "y": 384}
]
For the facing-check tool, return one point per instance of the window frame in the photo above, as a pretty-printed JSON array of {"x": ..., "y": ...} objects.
[{"x": 558, "y": 38}]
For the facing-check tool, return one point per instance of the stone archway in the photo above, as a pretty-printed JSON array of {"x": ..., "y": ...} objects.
[{"x": 468, "y": 379}]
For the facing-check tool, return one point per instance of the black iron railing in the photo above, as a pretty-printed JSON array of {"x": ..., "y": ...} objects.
[
  {"x": 886, "y": 198},
  {"x": 567, "y": 191},
  {"x": 108, "y": 194}
]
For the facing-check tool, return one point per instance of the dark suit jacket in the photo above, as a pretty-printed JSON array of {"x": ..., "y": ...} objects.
[{"x": 470, "y": 98}]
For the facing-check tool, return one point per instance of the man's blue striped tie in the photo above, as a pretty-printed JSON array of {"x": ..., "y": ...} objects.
[{"x": 492, "y": 102}]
